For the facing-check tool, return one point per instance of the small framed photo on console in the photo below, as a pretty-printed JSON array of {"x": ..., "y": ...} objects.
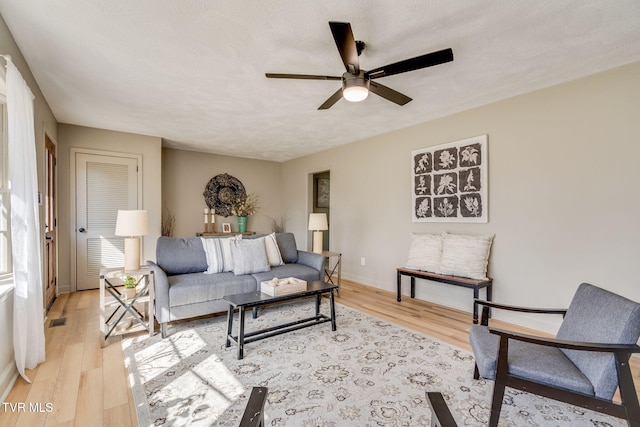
[{"x": 226, "y": 227}]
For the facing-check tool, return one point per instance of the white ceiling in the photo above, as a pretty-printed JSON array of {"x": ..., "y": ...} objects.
[{"x": 192, "y": 71}]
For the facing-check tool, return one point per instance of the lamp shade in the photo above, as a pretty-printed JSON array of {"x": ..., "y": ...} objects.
[
  {"x": 318, "y": 221},
  {"x": 132, "y": 223}
]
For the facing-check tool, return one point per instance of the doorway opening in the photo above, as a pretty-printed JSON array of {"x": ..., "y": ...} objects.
[
  {"x": 50, "y": 225},
  {"x": 321, "y": 201}
]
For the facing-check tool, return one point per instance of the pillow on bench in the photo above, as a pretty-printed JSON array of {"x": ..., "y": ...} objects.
[
  {"x": 451, "y": 254},
  {"x": 465, "y": 255},
  {"x": 425, "y": 252}
]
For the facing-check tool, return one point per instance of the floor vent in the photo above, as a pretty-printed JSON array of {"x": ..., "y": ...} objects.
[{"x": 58, "y": 322}]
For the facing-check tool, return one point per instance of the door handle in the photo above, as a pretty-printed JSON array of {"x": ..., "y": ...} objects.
[{"x": 82, "y": 230}]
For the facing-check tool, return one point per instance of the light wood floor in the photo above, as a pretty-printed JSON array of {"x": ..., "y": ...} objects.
[{"x": 86, "y": 385}]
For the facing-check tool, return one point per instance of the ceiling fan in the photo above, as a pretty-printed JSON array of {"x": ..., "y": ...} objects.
[{"x": 357, "y": 83}]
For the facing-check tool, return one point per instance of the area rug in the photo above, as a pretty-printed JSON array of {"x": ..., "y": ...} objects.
[{"x": 367, "y": 373}]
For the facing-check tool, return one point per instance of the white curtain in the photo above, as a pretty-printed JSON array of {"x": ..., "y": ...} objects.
[{"x": 28, "y": 320}]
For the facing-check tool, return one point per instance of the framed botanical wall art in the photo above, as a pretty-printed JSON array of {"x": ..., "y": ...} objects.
[{"x": 449, "y": 182}]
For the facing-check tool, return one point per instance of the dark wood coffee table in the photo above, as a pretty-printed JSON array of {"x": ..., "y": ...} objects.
[{"x": 257, "y": 299}]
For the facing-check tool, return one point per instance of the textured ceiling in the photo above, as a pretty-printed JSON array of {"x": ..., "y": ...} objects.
[{"x": 192, "y": 71}]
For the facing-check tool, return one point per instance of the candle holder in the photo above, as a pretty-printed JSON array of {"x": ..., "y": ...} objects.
[{"x": 206, "y": 220}]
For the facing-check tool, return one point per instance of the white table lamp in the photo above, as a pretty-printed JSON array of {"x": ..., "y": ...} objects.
[
  {"x": 132, "y": 224},
  {"x": 318, "y": 223}
]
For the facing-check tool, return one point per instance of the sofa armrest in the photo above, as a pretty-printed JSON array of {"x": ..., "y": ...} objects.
[
  {"x": 161, "y": 292},
  {"x": 313, "y": 260}
]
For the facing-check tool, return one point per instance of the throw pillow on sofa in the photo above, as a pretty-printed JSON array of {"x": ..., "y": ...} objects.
[
  {"x": 218, "y": 253},
  {"x": 273, "y": 251},
  {"x": 249, "y": 256}
]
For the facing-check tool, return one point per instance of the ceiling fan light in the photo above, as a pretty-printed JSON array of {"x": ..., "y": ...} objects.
[
  {"x": 355, "y": 88},
  {"x": 355, "y": 93}
]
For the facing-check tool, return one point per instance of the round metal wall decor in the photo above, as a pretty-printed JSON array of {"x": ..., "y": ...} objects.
[{"x": 220, "y": 192}]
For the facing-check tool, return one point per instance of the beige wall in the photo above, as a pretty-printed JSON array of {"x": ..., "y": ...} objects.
[
  {"x": 79, "y": 137},
  {"x": 185, "y": 175},
  {"x": 563, "y": 196}
]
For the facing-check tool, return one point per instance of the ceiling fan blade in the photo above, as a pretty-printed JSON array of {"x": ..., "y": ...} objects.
[
  {"x": 332, "y": 100},
  {"x": 388, "y": 93},
  {"x": 346, "y": 45},
  {"x": 301, "y": 76},
  {"x": 423, "y": 61}
]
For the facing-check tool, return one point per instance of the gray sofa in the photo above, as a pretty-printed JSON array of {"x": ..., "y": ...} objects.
[{"x": 183, "y": 290}]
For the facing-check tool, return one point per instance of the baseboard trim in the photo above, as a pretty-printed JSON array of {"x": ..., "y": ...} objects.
[{"x": 7, "y": 380}]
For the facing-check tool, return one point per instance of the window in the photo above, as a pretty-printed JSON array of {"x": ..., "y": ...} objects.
[{"x": 5, "y": 230}]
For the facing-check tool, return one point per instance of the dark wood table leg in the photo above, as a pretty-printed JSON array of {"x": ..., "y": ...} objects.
[
  {"x": 241, "y": 334},
  {"x": 229, "y": 325},
  {"x": 332, "y": 306},
  {"x": 413, "y": 287},
  {"x": 475, "y": 306},
  {"x": 399, "y": 286},
  {"x": 318, "y": 297}
]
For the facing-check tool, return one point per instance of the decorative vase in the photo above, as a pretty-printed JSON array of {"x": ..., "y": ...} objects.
[
  {"x": 242, "y": 224},
  {"x": 129, "y": 293}
]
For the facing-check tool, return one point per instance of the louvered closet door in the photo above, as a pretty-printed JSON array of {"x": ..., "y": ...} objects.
[{"x": 104, "y": 184}]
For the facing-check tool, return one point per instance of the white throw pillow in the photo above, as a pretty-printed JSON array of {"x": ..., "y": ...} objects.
[
  {"x": 218, "y": 253},
  {"x": 425, "y": 252},
  {"x": 466, "y": 255},
  {"x": 273, "y": 251}
]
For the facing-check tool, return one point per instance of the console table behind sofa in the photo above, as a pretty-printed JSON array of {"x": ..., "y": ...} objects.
[{"x": 465, "y": 282}]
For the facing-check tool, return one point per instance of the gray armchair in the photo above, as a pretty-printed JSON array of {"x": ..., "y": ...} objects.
[{"x": 583, "y": 366}]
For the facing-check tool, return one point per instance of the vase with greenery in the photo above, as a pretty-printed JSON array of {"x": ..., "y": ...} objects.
[
  {"x": 129, "y": 286},
  {"x": 242, "y": 207}
]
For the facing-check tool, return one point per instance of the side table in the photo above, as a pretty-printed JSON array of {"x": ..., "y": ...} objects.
[
  {"x": 114, "y": 305},
  {"x": 330, "y": 270}
]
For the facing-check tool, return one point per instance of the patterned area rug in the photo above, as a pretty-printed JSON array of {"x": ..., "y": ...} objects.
[{"x": 368, "y": 373}]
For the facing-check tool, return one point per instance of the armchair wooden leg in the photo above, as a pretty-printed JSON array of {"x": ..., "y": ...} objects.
[
  {"x": 476, "y": 372},
  {"x": 440, "y": 413},
  {"x": 496, "y": 404},
  {"x": 502, "y": 370},
  {"x": 628, "y": 395}
]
